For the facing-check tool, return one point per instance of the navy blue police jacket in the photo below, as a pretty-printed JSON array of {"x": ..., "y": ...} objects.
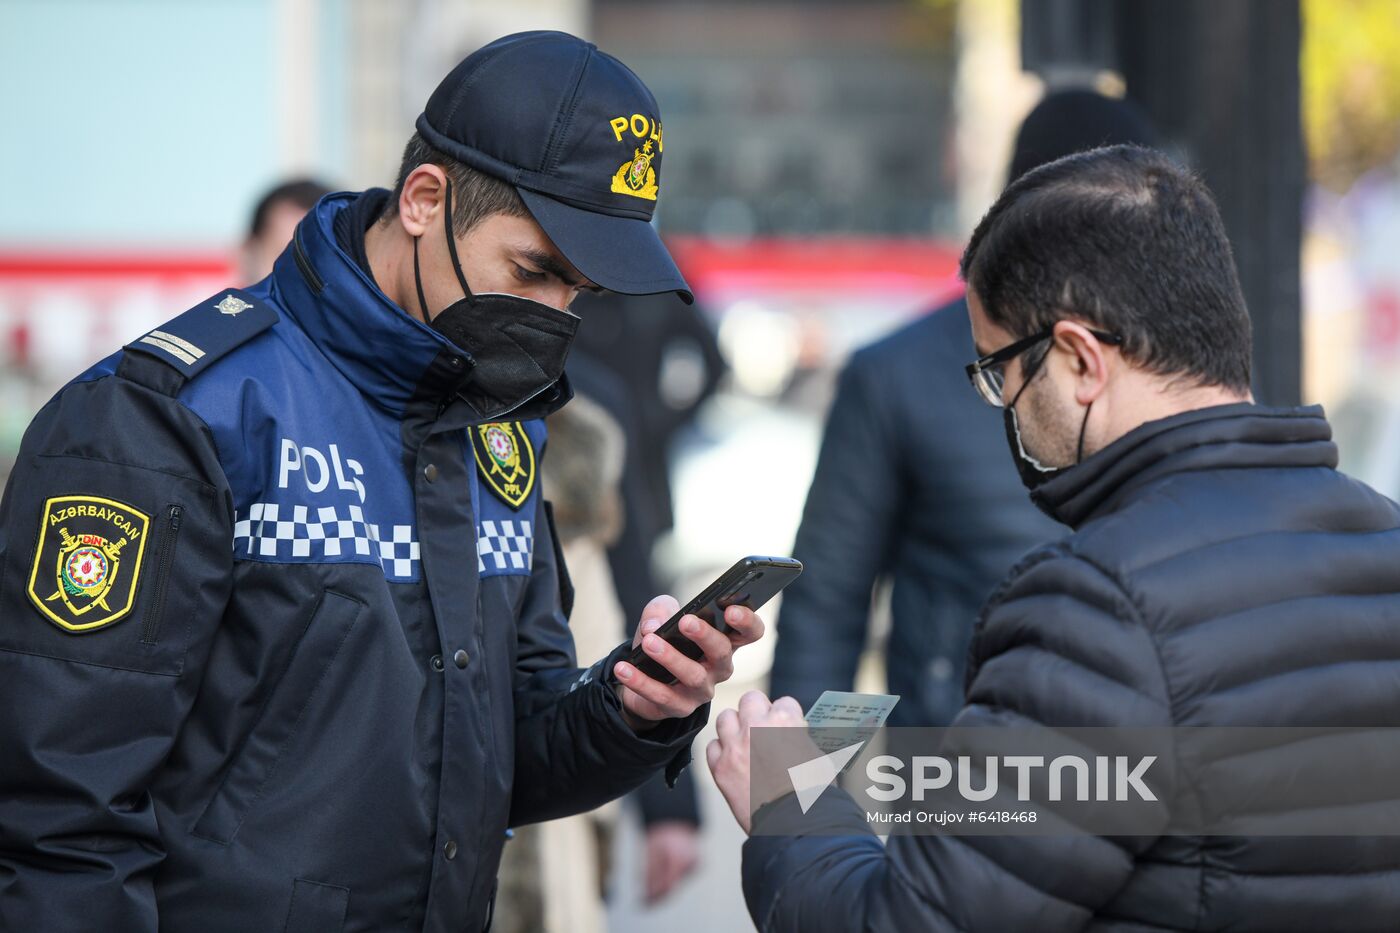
[{"x": 282, "y": 644}]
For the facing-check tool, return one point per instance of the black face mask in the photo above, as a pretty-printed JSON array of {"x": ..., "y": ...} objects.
[
  {"x": 1033, "y": 473},
  {"x": 518, "y": 345}
]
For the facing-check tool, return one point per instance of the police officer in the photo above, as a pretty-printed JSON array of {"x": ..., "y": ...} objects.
[{"x": 282, "y": 614}]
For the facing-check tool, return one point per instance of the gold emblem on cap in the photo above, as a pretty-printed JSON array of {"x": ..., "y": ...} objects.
[
  {"x": 231, "y": 305},
  {"x": 636, "y": 176}
]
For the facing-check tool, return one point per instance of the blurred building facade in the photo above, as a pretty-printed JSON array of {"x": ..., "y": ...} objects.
[{"x": 827, "y": 158}]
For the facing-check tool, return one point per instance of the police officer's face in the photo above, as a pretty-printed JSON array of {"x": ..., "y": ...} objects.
[
  {"x": 501, "y": 253},
  {"x": 512, "y": 255}
]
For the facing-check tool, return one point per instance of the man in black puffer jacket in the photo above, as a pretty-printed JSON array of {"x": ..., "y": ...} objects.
[{"x": 1221, "y": 573}]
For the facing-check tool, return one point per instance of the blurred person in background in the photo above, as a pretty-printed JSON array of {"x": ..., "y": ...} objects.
[
  {"x": 1220, "y": 572},
  {"x": 552, "y": 874},
  {"x": 913, "y": 484},
  {"x": 664, "y": 361},
  {"x": 670, "y": 812},
  {"x": 291, "y": 650},
  {"x": 651, "y": 364},
  {"x": 275, "y": 218}
]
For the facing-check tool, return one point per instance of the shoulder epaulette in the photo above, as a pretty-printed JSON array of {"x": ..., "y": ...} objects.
[{"x": 209, "y": 330}]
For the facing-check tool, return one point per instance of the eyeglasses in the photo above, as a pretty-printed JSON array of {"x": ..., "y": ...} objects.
[{"x": 986, "y": 373}]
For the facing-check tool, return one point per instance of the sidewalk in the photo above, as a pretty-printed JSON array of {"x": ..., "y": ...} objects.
[{"x": 709, "y": 900}]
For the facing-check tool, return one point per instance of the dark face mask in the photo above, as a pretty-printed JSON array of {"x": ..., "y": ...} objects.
[
  {"x": 1033, "y": 473},
  {"x": 518, "y": 345}
]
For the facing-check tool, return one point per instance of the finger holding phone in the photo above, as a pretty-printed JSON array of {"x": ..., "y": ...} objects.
[
  {"x": 647, "y": 700},
  {"x": 680, "y": 656}
]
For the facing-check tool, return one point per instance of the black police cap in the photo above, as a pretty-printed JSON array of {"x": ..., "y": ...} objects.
[{"x": 579, "y": 136}]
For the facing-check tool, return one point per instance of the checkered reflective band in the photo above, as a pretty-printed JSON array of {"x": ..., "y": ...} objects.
[
  {"x": 504, "y": 547},
  {"x": 270, "y": 530}
]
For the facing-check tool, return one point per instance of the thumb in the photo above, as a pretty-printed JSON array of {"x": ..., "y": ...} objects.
[{"x": 656, "y": 613}]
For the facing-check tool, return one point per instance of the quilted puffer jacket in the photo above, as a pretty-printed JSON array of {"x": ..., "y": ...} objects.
[{"x": 1221, "y": 573}]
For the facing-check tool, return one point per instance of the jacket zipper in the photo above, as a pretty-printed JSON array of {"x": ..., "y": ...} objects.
[
  {"x": 165, "y": 556},
  {"x": 304, "y": 265}
]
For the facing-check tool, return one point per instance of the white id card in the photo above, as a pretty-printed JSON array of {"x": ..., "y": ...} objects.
[{"x": 862, "y": 712}]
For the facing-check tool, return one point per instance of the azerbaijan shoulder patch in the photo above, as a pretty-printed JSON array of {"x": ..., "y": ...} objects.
[
  {"x": 87, "y": 561},
  {"x": 506, "y": 459}
]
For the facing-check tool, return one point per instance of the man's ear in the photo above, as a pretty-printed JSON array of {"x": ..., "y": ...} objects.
[
  {"x": 421, "y": 198},
  {"x": 1089, "y": 360}
]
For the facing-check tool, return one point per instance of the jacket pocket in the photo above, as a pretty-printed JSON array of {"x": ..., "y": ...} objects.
[
  {"x": 165, "y": 557},
  {"x": 255, "y": 765},
  {"x": 316, "y": 907}
]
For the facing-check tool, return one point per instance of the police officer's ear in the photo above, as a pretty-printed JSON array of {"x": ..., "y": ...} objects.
[{"x": 421, "y": 200}]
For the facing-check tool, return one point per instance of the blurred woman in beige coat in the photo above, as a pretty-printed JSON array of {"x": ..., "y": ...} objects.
[{"x": 551, "y": 876}]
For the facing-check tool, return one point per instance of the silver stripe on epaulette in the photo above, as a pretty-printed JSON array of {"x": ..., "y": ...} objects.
[
  {"x": 169, "y": 348},
  {"x": 180, "y": 342}
]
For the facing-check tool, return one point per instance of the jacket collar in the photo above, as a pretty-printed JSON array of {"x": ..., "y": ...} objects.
[
  {"x": 1220, "y": 437},
  {"x": 392, "y": 357}
]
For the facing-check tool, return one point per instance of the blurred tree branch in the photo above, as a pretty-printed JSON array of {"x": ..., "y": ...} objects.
[{"x": 1351, "y": 87}]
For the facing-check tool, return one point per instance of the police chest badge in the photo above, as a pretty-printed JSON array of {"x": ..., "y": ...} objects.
[
  {"x": 87, "y": 561},
  {"x": 506, "y": 460}
]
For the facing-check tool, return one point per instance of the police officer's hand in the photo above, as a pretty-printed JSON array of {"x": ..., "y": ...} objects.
[{"x": 646, "y": 700}]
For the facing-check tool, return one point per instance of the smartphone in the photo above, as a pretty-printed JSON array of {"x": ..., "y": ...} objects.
[{"x": 751, "y": 583}]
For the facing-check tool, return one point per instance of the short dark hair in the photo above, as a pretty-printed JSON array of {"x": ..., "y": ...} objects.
[
  {"x": 475, "y": 194},
  {"x": 299, "y": 192},
  {"x": 1127, "y": 240}
]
